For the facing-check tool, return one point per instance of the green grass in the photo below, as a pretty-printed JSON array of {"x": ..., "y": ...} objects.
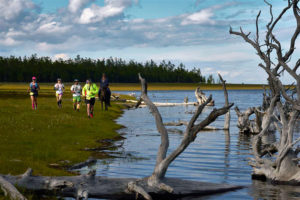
[
  {"x": 47, "y": 88},
  {"x": 48, "y": 135}
]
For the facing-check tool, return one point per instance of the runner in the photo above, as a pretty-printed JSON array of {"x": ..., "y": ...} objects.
[
  {"x": 59, "y": 88},
  {"x": 89, "y": 91},
  {"x": 33, "y": 92},
  {"x": 76, "y": 90}
]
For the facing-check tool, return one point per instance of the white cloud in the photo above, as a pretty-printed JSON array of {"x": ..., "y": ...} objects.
[
  {"x": 52, "y": 27},
  {"x": 202, "y": 17},
  {"x": 76, "y": 5},
  {"x": 10, "y": 9},
  {"x": 96, "y": 13},
  {"x": 8, "y": 41}
]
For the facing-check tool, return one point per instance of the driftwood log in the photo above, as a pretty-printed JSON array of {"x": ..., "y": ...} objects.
[
  {"x": 279, "y": 161},
  {"x": 91, "y": 186},
  {"x": 156, "y": 186},
  {"x": 200, "y": 96}
]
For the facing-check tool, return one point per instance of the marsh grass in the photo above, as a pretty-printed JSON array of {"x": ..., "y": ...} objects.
[{"x": 37, "y": 138}]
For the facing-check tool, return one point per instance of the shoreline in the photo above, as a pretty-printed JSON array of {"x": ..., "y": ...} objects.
[
  {"x": 59, "y": 139},
  {"x": 48, "y": 87}
]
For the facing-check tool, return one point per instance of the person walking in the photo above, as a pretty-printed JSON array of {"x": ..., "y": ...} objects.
[
  {"x": 33, "y": 92},
  {"x": 89, "y": 92},
  {"x": 104, "y": 92},
  {"x": 59, "y": 88},
  {"x": 76, "y": 91}
]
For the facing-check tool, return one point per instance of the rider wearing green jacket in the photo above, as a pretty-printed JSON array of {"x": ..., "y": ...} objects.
[{"x": 89, "y": 91}]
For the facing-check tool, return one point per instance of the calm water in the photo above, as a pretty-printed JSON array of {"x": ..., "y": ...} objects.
[{"x": 216, "y": 156}]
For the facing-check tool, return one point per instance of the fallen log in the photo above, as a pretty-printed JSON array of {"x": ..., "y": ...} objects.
[
  {"x": 91, "y": 186},
  {"x": 185, "y": 123}
]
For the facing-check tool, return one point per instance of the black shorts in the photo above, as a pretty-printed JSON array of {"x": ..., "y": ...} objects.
[
  {"x": 34, "y": 94},
  {"x": 90, "y": 101}
]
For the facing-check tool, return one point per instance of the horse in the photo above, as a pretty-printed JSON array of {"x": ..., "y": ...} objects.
[{"x": 104, "y": 96}]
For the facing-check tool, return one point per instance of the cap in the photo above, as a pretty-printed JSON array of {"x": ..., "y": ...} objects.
[
  {"x": 75, "y": 80},
  {"x": 59, "y": 79},
  {"x": 33, "y": 78}
]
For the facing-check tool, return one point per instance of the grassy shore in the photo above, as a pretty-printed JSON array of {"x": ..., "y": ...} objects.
[
  {"x": 48, "y": 88},
  {"x": 38, "y": 138}
]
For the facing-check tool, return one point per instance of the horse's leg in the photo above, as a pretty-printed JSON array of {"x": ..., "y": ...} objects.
[{"x": 106, "y": 106}]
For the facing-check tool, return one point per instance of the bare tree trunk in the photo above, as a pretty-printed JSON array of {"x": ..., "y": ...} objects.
[{"x": 227, "y": 116}]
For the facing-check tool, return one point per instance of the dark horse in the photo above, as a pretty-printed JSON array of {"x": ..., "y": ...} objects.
[{"x": 104, "y": 96}]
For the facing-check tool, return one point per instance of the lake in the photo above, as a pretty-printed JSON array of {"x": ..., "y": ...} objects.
[{"x": 215, "y": 156}]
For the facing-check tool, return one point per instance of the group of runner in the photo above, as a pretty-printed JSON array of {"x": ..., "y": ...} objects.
[{"x": 88, "y": 92}]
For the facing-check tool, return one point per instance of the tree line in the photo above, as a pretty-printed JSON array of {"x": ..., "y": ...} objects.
[{"x": 21, "y": 69}]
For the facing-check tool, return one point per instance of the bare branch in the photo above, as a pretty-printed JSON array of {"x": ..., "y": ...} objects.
[
  {"x": 227, "y": 117},
  {"x": 163, "y": 148},
  {"x": 133, "y": 187},
  {"x": 10, "y": 190},
  {"x": 296, "y": 33},
  {"x": 257, "y": 28},
  {"x": 197, "y": 113},
  {"x": 211, "y": 118}
]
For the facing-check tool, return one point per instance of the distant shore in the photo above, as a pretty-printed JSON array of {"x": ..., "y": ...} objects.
[
  {"x": 17, "y": 87},
  {"x": 184, "y": 86}
]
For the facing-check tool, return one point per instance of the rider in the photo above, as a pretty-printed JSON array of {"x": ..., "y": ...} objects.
[
  {"x": 104, "y": 85},
  {"x": 76, "y": 90},
  {"x": 33, "y": 88},
  {"x": 59, "y": 88},
  {"x": 90, "y": 91}
]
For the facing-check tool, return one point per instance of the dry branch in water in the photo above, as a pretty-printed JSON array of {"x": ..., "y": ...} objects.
[
  {"x": 163, "y": 161},
  {"x": 282, "y": 107}
]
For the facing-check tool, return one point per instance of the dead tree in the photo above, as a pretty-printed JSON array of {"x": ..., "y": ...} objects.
[
  {"x": 156, "y": 186},
  {"x": 201, "y": 98},
  {"x": 244, "y": 123},
  {"x": 282, "y": 167},
  {"x": 163, "y": 161}
]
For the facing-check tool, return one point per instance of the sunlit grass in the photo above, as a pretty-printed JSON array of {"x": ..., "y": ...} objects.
[
  {"x": 47, "y": 88},
  {"x": 48, "y": 135}
]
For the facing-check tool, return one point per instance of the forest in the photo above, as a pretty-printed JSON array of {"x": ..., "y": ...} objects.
[{"x": 18, "y": 69}]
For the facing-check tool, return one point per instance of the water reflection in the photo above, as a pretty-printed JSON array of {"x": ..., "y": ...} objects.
[
  {"x": 226, "y": 154},
  {"x": 263, "y": 190},
  {"x": 243, "y": 142}
]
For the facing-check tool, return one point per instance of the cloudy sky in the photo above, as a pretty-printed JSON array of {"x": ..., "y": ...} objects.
[{"x": 194, "y": 32}]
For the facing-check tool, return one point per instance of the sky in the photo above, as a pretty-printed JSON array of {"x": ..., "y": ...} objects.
[{"x": 192, "y": 32}]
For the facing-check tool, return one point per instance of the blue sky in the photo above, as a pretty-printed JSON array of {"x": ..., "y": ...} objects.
[{"x": 192, "y": 32}]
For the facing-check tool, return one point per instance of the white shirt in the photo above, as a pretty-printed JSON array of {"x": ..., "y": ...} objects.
[
  {"x": 59, "y": 88},
  {"x": 76, "y": 89}
]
